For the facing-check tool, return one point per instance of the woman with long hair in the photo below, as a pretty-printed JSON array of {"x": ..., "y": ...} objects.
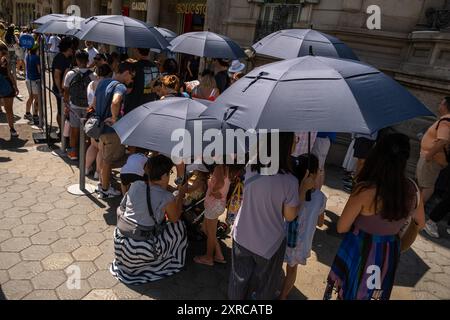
[
  {"x": 381, "y": 203},
  {"x": 207, "y": 89},
  {"x": 11, "y": 84}
]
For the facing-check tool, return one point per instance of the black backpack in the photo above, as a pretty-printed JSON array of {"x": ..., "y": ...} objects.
[{"x": 78, "y": 88}]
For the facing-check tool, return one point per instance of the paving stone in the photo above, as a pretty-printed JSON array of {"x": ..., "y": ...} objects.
[
  {"x": 9, "y": 197},
  {"x": 5, "y": 183},
  {"x": 9, "y": 223},
  {"x": 25, "y": 202},
  {"x": 423, "y": 245},
  {"x": 109, "y": 234},
  {"x": 126, "y": 293},
  {"x": 44, "y": 237},
  {"x": 34, "y": 218},
  {"x": 24, "y": 181},
  {"x": 8, "y": 259},
  {"x": 65, "y": 245},
  {"x": 5, "y": 235},
  {"x": 5, "y": 205},
  {"x": 104, "y": 294},
  {"x": 30, "y": 194},
  {"x": 82, "y": 209},
  {"x": 36, "y": 252},
  {"x": 16, "y": 289},
  {"x": 42, "y": 207},
  {"x": 49, "y": 280},
  {"x": 15, "y": 244},
  {"x": 57, "y": 261},
  {"x": 65, "y": 293},
  {"x": 95, "y": 226},
  {"x": 87, "y": 268},
  {"x": 4, "y": 277},
  {"x": 41, "y": 295},
  {"x": 64, "y": 204},
  {"x": 102, "y": 279},
  {"x": 438, "y": 259},
  {"x": 60, "y": 182},
  {"x": 47, "y": 198},
  {"x": 107, "y": 246},
  {"x": 52, "y": 225},
  {"x": 97, "y": 215},
  {"x": 104, "y": 261},
  {"x": 91, "y": 239},
  {"x": 25, "y": 270},
  {"x": 71, "y": 232},
  {"x": 86, "y": 253},
  {"x": 76, "y": 220},
  {"x": 436, "y": 289},
  {"x": 41, "y": 178},
  {"x": 60, "y": 214},
  {"x": 25, "y": 230},
  {"x": 17, "y": 187},
  {"x": 443, "y": 251},
  {"x": 443, "y": 279},
  {"x": 38, "y": 185},
  {"x": 16, "y": 212}
]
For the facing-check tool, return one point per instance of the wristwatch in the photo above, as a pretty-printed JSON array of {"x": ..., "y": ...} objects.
[{"x": 179, "y": 181}]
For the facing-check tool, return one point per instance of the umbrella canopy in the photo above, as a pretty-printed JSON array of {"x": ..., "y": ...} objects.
[
  {"x": 68, "y": 25},
  {"x": 121, "y": 31},
  {"x": 207, "y": 44},
  {"x": 152, "y": 125},
  {"x": 316, "y": 94},
  {"x": 49, "y": 17},
  {"x": 293, "y": 43},
  {"x": 169, "y": 35}
]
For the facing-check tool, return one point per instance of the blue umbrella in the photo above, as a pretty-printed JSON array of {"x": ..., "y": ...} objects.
[
  {"x": 316, "y": 94},
  {"x": 121, "y": 31},
  {"x": 69, "y": 25},
  {"x": 169, "y": 35},
  {"x": 207, "y": 44},
  {"x": 293, "y": 43}
]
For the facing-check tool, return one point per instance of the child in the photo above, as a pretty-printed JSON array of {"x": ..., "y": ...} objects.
[
  {"x": 215, "y": 203},
  {"x": 299, "y": 250},
  {"x": 134, "y": 169}
]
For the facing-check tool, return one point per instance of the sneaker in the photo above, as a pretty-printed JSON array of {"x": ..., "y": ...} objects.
[
  {"x": 431, "y": 229},
  {"x": 13, "y": 133},
  {"x": 28, "y": 116},
  {"x": 110, "y": 193},
  {"x": 36, "y": 120},
  {"x": 72, "y": 155}
]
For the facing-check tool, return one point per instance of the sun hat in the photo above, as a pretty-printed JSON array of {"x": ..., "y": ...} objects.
[{"x": 236, "y": 66}]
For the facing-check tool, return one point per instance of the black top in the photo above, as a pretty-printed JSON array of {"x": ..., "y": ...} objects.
[
  {"x": 146, "y": 72},
  {"x": 60, "y": 62},
  {"x": 222, "y": 81}
]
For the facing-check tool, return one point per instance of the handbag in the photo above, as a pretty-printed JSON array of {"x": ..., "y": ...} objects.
[
  {"x": 135, "y": 231},
  {"x": 234, "y": 204},
  {"x": 94, "y": 125},
  {"x": 410, "y": 230}
]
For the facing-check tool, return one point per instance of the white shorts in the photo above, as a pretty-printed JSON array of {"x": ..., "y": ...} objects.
[
  {"x": 321, "y": 148},
  {"x": 33, "y": 86},
  {"x": 215, "y": 211}
]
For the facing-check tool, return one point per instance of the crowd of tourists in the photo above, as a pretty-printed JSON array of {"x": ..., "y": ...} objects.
[{"x": 277, "y": 215}]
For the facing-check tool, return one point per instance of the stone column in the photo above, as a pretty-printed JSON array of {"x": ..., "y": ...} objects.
[
  {"x": 56, "y": 6},
  {"x": 95, "y": 7},
  {"x": 116, "y": 7},
  {"x": 153, "y": 11}
]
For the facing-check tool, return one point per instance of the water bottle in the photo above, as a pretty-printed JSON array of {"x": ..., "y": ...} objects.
[{"x": 292, "y": 233}]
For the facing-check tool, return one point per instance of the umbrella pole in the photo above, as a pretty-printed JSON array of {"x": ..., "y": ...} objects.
[{"x": 308, "y": 193}]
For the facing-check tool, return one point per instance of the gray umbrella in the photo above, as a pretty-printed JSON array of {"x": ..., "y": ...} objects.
[
  {"x": 68, "y": 25},
  {"x": 293, "y": 43},
  {"x": 316, "y": 94},
  {"x": 121, "y": 31},
  {"x": 207, "y": 44},
  {"x": 151, "y": 126},
  {"x": 169, "y": 35},
  {"x": 49, "y": 17}
]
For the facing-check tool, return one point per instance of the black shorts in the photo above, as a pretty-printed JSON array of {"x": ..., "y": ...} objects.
[
  {"x": 129, "y": 178},
  {"x": 362, "y": 147}
]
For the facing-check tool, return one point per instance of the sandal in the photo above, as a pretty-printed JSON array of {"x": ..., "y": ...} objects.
[
  {"x": 223, "y": 261},
  {"x": 200, "y": 260}
]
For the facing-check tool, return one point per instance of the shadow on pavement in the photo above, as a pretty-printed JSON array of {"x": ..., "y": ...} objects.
[
  {"x": 5, "y": 159},
  {"x": 408, "y": 276},
  {"x": 2, "y": 295},
  {"x": 13, "y": 145}
]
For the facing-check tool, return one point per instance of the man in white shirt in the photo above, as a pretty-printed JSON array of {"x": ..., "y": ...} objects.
[
  {"x": 92, "y": 51},
  {"x": 53, "y": 47}
]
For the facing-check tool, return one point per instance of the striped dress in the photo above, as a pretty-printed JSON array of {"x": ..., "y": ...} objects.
[{"x": 139, "y": 262}]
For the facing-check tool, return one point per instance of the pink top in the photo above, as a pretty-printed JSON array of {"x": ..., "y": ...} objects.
[{"x": 210, "y": 200}]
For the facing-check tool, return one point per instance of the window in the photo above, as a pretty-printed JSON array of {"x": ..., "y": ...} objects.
[{"x": 277, "y": 15}]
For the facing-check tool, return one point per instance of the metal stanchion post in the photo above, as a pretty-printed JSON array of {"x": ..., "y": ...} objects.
[
  {"x": 82, "y": 188},
  {"x": 63, "y": 123}
]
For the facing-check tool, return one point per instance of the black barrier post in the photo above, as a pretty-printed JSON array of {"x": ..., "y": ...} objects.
[{"x": 81, "y": 188}]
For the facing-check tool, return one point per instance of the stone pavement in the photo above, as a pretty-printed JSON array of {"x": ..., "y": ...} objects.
[{"x": 44, "y": 230}]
